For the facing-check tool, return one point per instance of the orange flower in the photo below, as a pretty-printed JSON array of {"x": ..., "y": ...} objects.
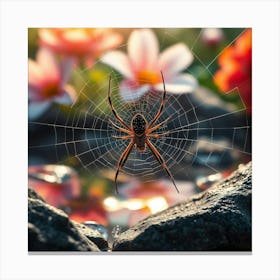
[
  {"x": 236, "y": 68},
  {"x": 83, "y": 43}
]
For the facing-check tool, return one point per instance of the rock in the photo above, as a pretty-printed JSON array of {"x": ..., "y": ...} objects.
[
  {"x": 50, "y": 229},
  {"x": 212, "y": 112},
  {"x": 94, "y": 235},
  {"x": 34, "y": 195},
  {"x": 218, "y": 219}
]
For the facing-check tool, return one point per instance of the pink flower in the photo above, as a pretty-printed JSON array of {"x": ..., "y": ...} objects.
[
  {"x": 81, "y": 43},
  {"x": 47, "y": 82},
  {"x": 57, "y": 184},
  {"x": 212, "y": 37},
  {"x": 142, "y": 65}
]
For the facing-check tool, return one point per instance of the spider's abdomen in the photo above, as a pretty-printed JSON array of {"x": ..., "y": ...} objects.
[{"x": 138, "y": 124}]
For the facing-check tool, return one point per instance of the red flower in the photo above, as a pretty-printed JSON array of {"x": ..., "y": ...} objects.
[
  {"x": 236, "y": 68},
  {"x": 47, "y": 82},
  {"x": 87, "y": 209},
  {"x": 47, "y": 78}
]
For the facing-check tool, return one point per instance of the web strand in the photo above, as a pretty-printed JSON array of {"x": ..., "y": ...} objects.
[{"x": 83, "y": 131}]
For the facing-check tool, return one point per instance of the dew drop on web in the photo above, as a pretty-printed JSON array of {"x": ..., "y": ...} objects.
[{"x": 116, "y": 231}]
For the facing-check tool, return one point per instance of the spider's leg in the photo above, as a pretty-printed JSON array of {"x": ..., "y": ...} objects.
[
  {"x": 122, "y": 161},
  {"x": 158, "y": 114},
  {"x": 157, "y": 126},
  {"x": 112, "y": 107},
  {"x": 123, "y": 137},
  {"x": 120, "y": 128},
  {"x": 161, "y": 161},
  {"x": 157, "y": 135}
]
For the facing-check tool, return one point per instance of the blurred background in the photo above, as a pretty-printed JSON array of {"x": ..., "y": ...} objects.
[{"x": 72, "y": 154}]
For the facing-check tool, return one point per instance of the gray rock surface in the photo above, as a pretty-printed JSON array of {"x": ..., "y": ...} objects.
[
  {"x": 50, "y": 229},
  {"x": 218, "y": 219},
  {"x": 94, "y": 235}
]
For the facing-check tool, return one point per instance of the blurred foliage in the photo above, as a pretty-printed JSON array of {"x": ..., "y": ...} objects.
[
  {"x": 32, "y": 42},
  {"x": 93, "y": 82}
]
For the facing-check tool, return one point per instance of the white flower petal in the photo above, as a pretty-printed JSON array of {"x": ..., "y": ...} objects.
[
  {"x": 48, "y": 64},
  {"x": 36, "y": 109},
  {"x": 130, "y": 92},
  {"x": 184, "y": 83},
  {"x": 119, "y": 61},
  {"x": 174, "y": 59},
  {"x": 143, "y": 49}
]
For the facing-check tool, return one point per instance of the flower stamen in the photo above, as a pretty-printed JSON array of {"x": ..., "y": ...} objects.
[{"x": 148, "y": 77}]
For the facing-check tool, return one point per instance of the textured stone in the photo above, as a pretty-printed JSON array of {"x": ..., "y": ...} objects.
[
  {"x": 94, "y": 235},
  {"x": 218, "y": 219},
  {"x": 50, "y": 229},
  {"x": 34, "y": 195}
]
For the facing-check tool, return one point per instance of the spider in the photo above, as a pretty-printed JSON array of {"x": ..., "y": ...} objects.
[{"x": 140, "y": 132}]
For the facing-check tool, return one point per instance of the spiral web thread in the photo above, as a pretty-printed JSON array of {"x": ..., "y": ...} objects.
[{"x": 84, "y": 132}]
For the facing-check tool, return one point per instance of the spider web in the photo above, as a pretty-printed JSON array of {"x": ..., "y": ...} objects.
[{"x": 206, "y": 135}]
